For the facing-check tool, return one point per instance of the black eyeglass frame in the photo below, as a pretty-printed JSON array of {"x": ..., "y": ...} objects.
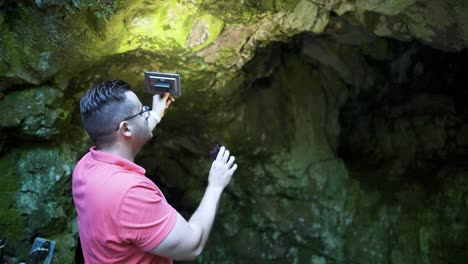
[{"x": 144, "y": 109}]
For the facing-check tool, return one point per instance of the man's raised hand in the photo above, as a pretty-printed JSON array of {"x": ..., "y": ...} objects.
[
  {"x": 222, "y": 169},
  {"x": 161, "y": 102}
]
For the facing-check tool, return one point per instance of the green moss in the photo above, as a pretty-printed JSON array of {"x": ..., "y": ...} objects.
[
  {"x": 212, "y": 27},
  {"x": 8, "y": 52},
  {"x": 31, "y": 203},
  {"x": 12, "y": 225},
  {"x": 279, "y": 5},
  {"x": 64, "y": 251},
  {"x": 9, "y": 181},
  {"x": 12, "y": 220},
  {"x": 391, "y": 8},
  {"x": 22, "y": 104},
  {"x": 307, "y": 16},
  {"x": 36, "y": 111},
  {"x": 420, "y": 28},
  {"x": 159, "y": 24}
]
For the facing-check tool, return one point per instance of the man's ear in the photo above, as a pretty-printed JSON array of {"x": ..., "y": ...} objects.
[{"x": 125, "y": 129}]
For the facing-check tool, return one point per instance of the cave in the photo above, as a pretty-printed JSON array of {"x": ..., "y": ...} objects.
[{"x": 348, "y": 120}]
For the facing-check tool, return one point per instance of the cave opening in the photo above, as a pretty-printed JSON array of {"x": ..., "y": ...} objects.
[
  {"x": 411, "y": 125},
  {"x": 402, "y": 119}
]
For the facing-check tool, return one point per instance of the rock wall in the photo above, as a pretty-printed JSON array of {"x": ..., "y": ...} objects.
[{"x": 347, "y": 119}]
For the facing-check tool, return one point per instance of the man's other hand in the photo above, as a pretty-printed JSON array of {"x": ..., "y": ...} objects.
[
  {"x": 222, "y": 169},
  {"x": 187, "y": 239}
]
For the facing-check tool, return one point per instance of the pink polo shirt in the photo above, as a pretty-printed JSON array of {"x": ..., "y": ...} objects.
[{"x": 121, "y": 213}]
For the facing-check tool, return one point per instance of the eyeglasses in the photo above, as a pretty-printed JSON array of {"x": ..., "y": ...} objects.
[
  {"x": 144, "y": 113},
  {"x": 145, "y": 110}
]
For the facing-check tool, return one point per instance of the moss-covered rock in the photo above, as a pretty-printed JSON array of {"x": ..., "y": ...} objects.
[
  {"x": 386, "y": 7},
  {"x": 307, "y": 17},
  {"x": 38, "y": 112},
  {"x": 28, "y": 209},
  {"x": 12, "y": 219}
]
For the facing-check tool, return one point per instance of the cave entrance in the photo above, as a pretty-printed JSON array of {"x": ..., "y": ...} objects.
[
  {"x": 403, "y": 115},
  {"x": 410, "y": 125}
]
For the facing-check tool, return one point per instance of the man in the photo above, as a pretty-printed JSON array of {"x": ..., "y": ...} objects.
[{"x": 123, "y": 217}]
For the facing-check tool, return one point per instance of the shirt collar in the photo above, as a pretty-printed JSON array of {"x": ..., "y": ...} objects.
[{"x": 110, "y": 158}]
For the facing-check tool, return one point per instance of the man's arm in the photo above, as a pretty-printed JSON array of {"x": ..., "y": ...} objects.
[
  {"x": 187, "y": 239},
  {"x": 160, "y": 103}
]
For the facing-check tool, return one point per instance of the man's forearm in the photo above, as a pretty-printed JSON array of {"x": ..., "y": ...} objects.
[
  {"x": 203, "y": 217},
  {"x": 188, "y": 238}
]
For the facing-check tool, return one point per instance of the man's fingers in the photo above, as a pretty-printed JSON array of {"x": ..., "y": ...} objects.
[
  {"x": 233, "y": 169},
  {"x": 220, "y": 153},
  {"x": 230, "y": 161},
  {"x": 168, "y": 103},
  {"x": 226, "y": 155},
  {"x": 162, "y": 97}
]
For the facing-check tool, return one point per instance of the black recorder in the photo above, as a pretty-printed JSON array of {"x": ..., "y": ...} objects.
[
  {"x": 160, "y": 82},
  {"x": 215, "y": 150}
]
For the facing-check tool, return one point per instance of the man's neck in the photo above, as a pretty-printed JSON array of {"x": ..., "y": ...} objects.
[{"x": 121, "y": 151}]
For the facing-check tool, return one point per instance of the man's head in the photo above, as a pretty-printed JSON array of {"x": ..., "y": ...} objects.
[{"x": 105, "y": 111}]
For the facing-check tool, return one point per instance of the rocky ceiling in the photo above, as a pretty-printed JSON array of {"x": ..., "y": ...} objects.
[{"x": 348, "y": 120}]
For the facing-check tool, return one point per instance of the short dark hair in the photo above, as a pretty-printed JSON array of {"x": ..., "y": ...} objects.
[{"x": 102, "y": 108}]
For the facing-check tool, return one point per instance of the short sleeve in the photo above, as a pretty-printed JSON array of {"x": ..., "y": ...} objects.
[{"x": 145, "y": 216}]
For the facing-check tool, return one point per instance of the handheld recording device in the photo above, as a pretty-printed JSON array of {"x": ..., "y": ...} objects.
[
  {"x": 160, "y": 82},
  {"x": 214, "y": 151}
]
